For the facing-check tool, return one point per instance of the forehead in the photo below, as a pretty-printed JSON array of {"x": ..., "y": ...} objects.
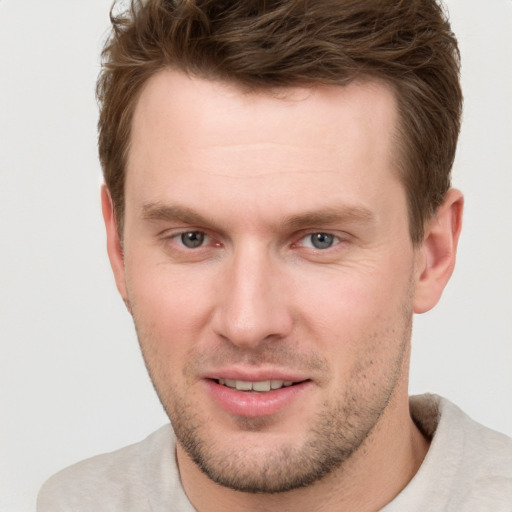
[
  {"x": 214, "y": 137},
  {"x": 183, "y": 109}
]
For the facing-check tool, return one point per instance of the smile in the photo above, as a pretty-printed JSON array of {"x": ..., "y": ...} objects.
[
  {"x": 255, "y": 398},
  {"x": 262, "y": 386}
]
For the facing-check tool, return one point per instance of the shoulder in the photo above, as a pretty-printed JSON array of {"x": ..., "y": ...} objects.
[
  {"x": 468, "y": 466},
  {"x": 485, "y": 459},
  {"x": 115, "y": 481},
  {"x": 449, "y": 426}
]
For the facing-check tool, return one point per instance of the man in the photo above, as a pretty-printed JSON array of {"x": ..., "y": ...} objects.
[{"x": 277, "y": 203}]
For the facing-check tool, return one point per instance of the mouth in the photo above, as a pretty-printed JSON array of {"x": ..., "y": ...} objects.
[
  {"x": 262, "y": 386},
  {"x": 256, "y": 398}
]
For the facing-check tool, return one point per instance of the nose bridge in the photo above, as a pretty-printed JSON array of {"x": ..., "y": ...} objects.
[{"x": 251, "y": 306}]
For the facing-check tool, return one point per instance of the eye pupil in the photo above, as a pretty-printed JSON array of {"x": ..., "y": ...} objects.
[
  {"x": 192, "y": 239},
  {"x": 322, "y": 240}
]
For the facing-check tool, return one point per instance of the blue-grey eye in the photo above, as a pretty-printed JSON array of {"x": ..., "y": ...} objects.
[
  {"x": 192, "y": 239},
  {"x": 321, "y": 240}
]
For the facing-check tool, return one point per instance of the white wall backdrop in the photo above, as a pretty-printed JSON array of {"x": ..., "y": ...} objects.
[{"x": 72, "y": 380}]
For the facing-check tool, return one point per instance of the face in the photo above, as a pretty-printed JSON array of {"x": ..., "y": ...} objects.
[{"x": 269, "y": 270}]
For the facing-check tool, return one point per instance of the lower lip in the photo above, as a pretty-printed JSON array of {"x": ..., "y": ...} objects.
[{"x": 253, "y": 404}]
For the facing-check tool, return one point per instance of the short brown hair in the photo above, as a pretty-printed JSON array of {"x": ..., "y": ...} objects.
[{"x": 263, "y": 44}]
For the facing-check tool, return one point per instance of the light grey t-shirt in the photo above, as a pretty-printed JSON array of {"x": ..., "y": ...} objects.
[{"x": 468, "y": 468}]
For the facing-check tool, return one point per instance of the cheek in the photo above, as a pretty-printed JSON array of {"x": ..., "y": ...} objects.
[
  {"x": 349, "y": 299},
  {"x": 357, "y": 312},
  {"x": 365, "y": 339},
  {"x": 170, "y": 308}
]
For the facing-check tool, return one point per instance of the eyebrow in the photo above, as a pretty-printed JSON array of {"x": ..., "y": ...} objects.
[
  {"x": 157, "y": 211},
  {"x": 317, "y": 217},
  {"x": 357, "y": 214},
  {"x": 174, "y": 213}
]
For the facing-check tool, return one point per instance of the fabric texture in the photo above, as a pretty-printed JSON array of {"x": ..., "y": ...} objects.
[{"x": 468, "y": 468}]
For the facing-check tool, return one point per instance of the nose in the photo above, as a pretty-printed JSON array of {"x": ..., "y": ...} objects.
[{"x": 252, "y": 302}]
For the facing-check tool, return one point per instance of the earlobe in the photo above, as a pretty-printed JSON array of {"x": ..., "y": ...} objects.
[
  {"x": 114, "y": 246},
  {"x": 436, "y": 256}
]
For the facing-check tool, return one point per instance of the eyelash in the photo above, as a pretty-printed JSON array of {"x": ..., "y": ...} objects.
[
  {"x": 335, "y": 240},
  {"x": 178, "y": 238}
]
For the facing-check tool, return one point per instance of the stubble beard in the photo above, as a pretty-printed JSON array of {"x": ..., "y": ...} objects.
[
  {"x": 339, "y": 429},
  {"x": 337, "y": 433}
]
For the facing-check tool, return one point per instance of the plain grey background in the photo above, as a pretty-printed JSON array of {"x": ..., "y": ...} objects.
[{"x": 72, "y": 380}]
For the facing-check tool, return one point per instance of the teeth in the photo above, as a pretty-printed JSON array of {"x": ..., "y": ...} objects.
[
  {"x": 260, "y": 386},
  {"x": 242, "y": 385},
  {"x": 276, "y": 384}
]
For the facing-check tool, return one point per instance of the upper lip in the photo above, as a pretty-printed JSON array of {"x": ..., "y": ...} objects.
[{"x": 255, "y": 375}]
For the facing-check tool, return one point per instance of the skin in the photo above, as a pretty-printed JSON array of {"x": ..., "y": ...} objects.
[{"x": 258, "y": 174}]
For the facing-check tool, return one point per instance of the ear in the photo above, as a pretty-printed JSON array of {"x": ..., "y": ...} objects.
[
  {"x": 436, "y": 255},
  {"x": 114, "y": 247}
]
